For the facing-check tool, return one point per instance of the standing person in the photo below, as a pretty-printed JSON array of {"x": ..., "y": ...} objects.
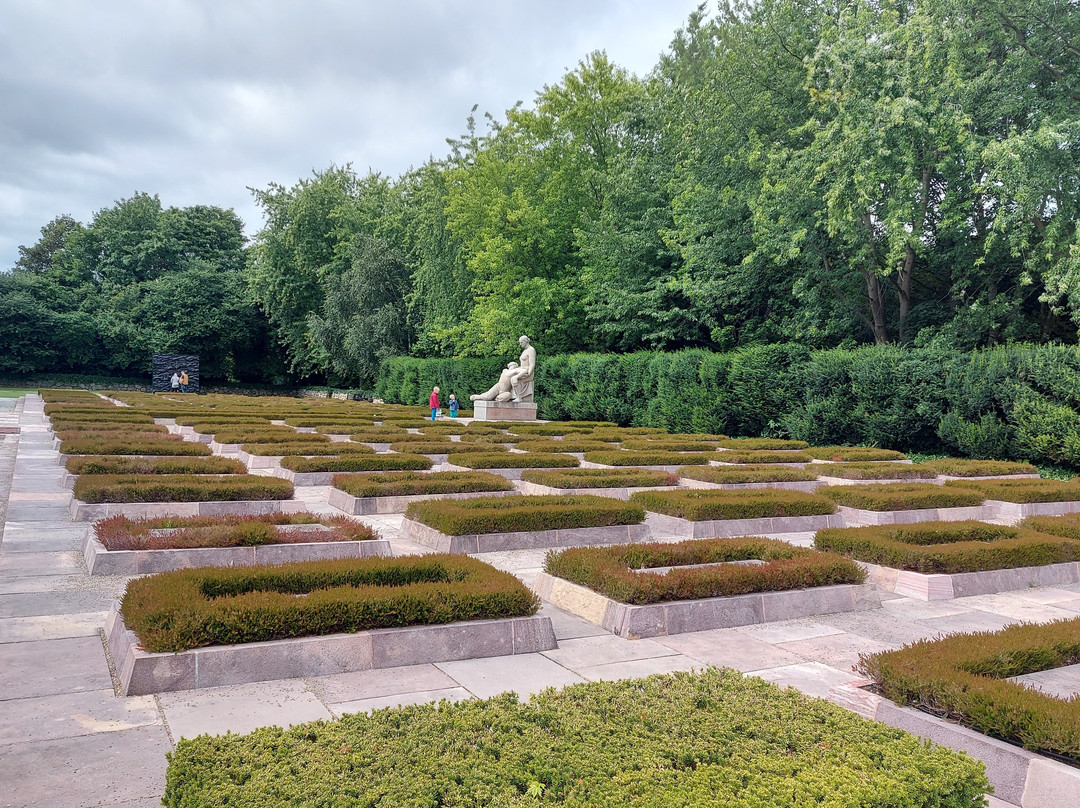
[
  {"x": 453, "y": 406},
  {"x": 184, "y": 381},
  {"x": 434, "y": 402},
  {"x": 175, "y": 382}
]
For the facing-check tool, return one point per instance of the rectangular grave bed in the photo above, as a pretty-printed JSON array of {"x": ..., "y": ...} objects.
[
  {"x": 699, "y": 514},
  {"x": 361, "y": 494},
  {"x": 209, "y": 627},
  {"x": 904, "y": 503},
  {"x": 90, "y": 512},
  {"x": 654, "y": 590},
  {"x": 1019, "y": 499}
]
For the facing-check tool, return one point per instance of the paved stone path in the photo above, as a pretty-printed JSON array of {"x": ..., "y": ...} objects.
[{"x": 67, "y": 741}]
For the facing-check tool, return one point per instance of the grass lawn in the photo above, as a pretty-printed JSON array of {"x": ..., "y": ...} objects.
[{"x": 15, "y": 392}]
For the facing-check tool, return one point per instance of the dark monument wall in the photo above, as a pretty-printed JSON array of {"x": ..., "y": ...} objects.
[{"x": 165, "y": 365}]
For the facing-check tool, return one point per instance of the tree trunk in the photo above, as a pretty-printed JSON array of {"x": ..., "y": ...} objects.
[
  {"x": 903, "y": 290},
  {"x": 877, "y": 307}
]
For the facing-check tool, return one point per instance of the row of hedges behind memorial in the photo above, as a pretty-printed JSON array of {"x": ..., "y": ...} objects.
[{"x": 1014, "y": 401}]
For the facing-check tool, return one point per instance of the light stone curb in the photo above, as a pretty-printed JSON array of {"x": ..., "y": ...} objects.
[
  {"x": 369, "y": 506},
  {"x": 678, "y": 617},
  {"x": 141, "y": 672},
  {"x": 1015, "y": 511},
  {"x": 536, "y": 489},
  {"x": 857, "y": 517},
  {"x": 665, "y": 525},
  {"x": 524, "y": 540},
  {"x": 806, "y": 486},
  {"x": 90, "y": 512},
  {"x": 939, "y": 586},
  {"x": 100, "y": 561}
]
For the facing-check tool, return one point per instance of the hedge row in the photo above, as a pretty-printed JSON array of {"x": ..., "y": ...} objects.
[
  {"x": 516, "y": 514},
  {"x": 763, "y": 444},
  {"x": 568, "y": 445},
  {"x": 65, "y": 425},
  {"x": 443, "y": 447},
  {"x": 673, "y": 445},
  {"x": 902, "y": 496},
  {"x": 458, "y": 428},
  {"x": 957, "y": 467},
  {"x": 948, "y": 547},
  {"x": 121, "y": 533},
  {"x": 140, "y": 434},
  {"x": 623, "y": 572},
  {"x": 507, "y": 460},
  {"x": 599, "y": 478},
  {"x": 852, "y": 454},
  {"x": 118, "y": 464},
  {"x": 1067, "y": 525},
  {"x": 261, "y": 435},
  {"x": 699, "y": 505},
  {"x": 1009, "y": 402},
  {"x": 179, "y": 488},
  {"x": 120, "y": 446},
  {"x": 177, "y": 611},
  {"x": 708, "y": 738},
  {"x": 738, "y": 456},
  {"x": 965, "y": 677},
  {"x": 406, "y": 483},
  {"x": 299, "y": 449},
  {"x": 620, "y": 457},
  {"x": 728, "y": 475},
  {"x": 1023, "y": 490},
  {"x": 878, "y": 471},
  {"x": 357, "y": 462}
]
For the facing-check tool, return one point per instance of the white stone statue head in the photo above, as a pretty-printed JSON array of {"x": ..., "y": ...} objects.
[
  {"x": 513, "y": 365},
  {"x": 523, "y": 340}
]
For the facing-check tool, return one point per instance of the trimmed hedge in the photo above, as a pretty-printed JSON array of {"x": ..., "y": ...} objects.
[
  {"x": 118, "y": 464},
  {"x": 1023, "y": 491},
  {"x": 599, "y": 478},
  {"x": 622, "y": 572},
  {"x": 965, "y": 677},
  {"x": 65, "y": 425},
  {"x": 736, "y": 456},
  {"x": 110, "y": 435},
  {"x": 328, "y": 449},
  {"x": 444, "y": 447},
  {"x": 877, "y": 471},
  {"x": 957, "y": 467},
  {"x": 711, "y": 738},
  {"x": 726, "y": 475},
  {"x": 621, "y": 457},
  {"x": 221, "y": 420},
  {"x": 406, "y": 484},
  {"x": 178, "y": 611},
  {"x": 170, "y": 533},
  {"x": 357, "y": 462},
  {"x": 179, "y": 488},
  {"x": 948, "y": 547},
  {"x": 1067, "y": 525},
  {"x": 901, "y": 496},
  {"x": 462, "y": 517},
  {"x": 762, "y": 444},
  {"x": 120, "y": 446},
  {"x": 549, "y": 430},
  {"x": 508, "y": 460},
  {"x": 700, "y": 505},
  {"x": 852, "y": 454},
  {"x": 272, "y": 435},
  {"x": 661, "y": 445},
  {"x": 568, "y": 445}
]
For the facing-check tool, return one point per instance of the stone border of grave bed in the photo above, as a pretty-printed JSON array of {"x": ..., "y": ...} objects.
[
  {"x": 91, "y": 512},
  {"x": 726, "y": 507}
]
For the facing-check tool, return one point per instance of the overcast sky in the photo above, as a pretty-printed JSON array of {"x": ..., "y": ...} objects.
[{"x": 197, "y": 100}]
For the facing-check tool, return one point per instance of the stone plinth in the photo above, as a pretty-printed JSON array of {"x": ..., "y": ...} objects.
[{"x": 503, "y": 411}]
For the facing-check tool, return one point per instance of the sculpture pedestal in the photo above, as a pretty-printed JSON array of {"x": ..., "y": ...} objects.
[{"x": 503, "y": 411}]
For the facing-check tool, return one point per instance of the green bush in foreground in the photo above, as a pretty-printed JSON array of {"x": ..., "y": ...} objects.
[
  {"x": 462, "y": 517},
  {"x": 177, "y": 611},
  {"x": 965, "y": 677},
  {"x": 599, "y": 478},
  {"x": 119, "y": 464},
  {"x": 852, "y": 454},
  {"x": 948, "y": 547},
  {"x": 699, "y": 505},
  {"x": 408, "y": 483},
  {"x": 958, "y": 467},
  {"x": 902, "y": 496},
  {"x": 622, "y": 572},
  {"x": 618, "y": 457},
  {"x": 97, "y": 488},
  {"x": 709, "y": 739},
  {"x": 1022, "y": 491},
  {"x": 506, "y": 460},
  {"x": 877, "y": 471},
  {"x": 357, "y": 462},
  {"x": 728, "y": 475}
]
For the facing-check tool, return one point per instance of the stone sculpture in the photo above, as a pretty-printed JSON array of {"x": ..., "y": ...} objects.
[
  {"x": 521, "y": 382},
  {"x": 502, "y": 390}
]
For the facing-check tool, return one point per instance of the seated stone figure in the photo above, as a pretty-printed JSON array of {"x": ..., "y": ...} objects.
[
  {"x": 502, "y": 390},
  {"x": 521, "y": 383}
]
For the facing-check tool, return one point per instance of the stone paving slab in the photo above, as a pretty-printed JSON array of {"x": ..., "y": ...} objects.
[
  {"x": 48, "y": 667},
  {"x": 587, "y": 652},
  {"x": 30, "y": 604},
  {"x": 378, "y": 683},
  {"x": 639, "y": 668},
  {"x": 1061, "y": 683},
  {"x": 401, "y": 700},
  {"x": 525, "y": 675},
  {"x": 52, "y": 626},
  {"x": 12, "y": 564},
  {"x": 241, "y": 708},
  {"x": 729, "y": 648},
  {"x": 68, "y": 715}
]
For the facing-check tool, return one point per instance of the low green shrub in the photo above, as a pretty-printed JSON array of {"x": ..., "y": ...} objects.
[
  {"x": 120, "y": 446},
  {"x": 171, "y": 533},
  {"x": 622, "y": 433},
  {"x": 620, "y": 457},
  {"x": 144, "y": 433},
  {"x": 568, "y": 445},
  {"x": 966, "y": 677},
  {"x": 852, "y": 454},
  {"x": 406, "y": 483},
  {"x": 1023, "y": 491},
  {"x": 549, "y": 429},
  {"x": 328, "y": 449},
  {"x": 119, "y": 464},
  {"x": 493, "y": 438},
  {"x": 458, "y": 428},
  {"x": 669, "y": 445},
  {"x": 699, "y": 505},
  {"x": 711, "y": 738},
  {"x": 178, "y": 611},
  {"x": 389, "y": 436},
  {"x": 320, "y": 421},
  {"x": 179, "y": 488},
  {"x": 737, "y": 456},
  {"x": 948, "y": 547},
  {"x": 356, "y": 462},
  {"x": 901, "y": 496},
  {"x": 728, "y": 475},
  {"x": 221, "y": 420},
  {"x": 103, "y": 426},
  {"x": 600, "y": 478},
  {"x": 461, "y": 517},
  {"x": 267, "y": 436},
  {"x": 105, "y": 412},
  {"x": 507, "y": 460},
  {"x": 63, "y": 396},
  {"x": 877, "y": 471},
  {"x": 1067, "y": 525},
  {"x": 623, "y": 572},
  {"x": 350, "y": 428},
  {"x": 957, "y": 467},
  {"x": 445, "y": 447},
  {"x": 762, "y": 444}
]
